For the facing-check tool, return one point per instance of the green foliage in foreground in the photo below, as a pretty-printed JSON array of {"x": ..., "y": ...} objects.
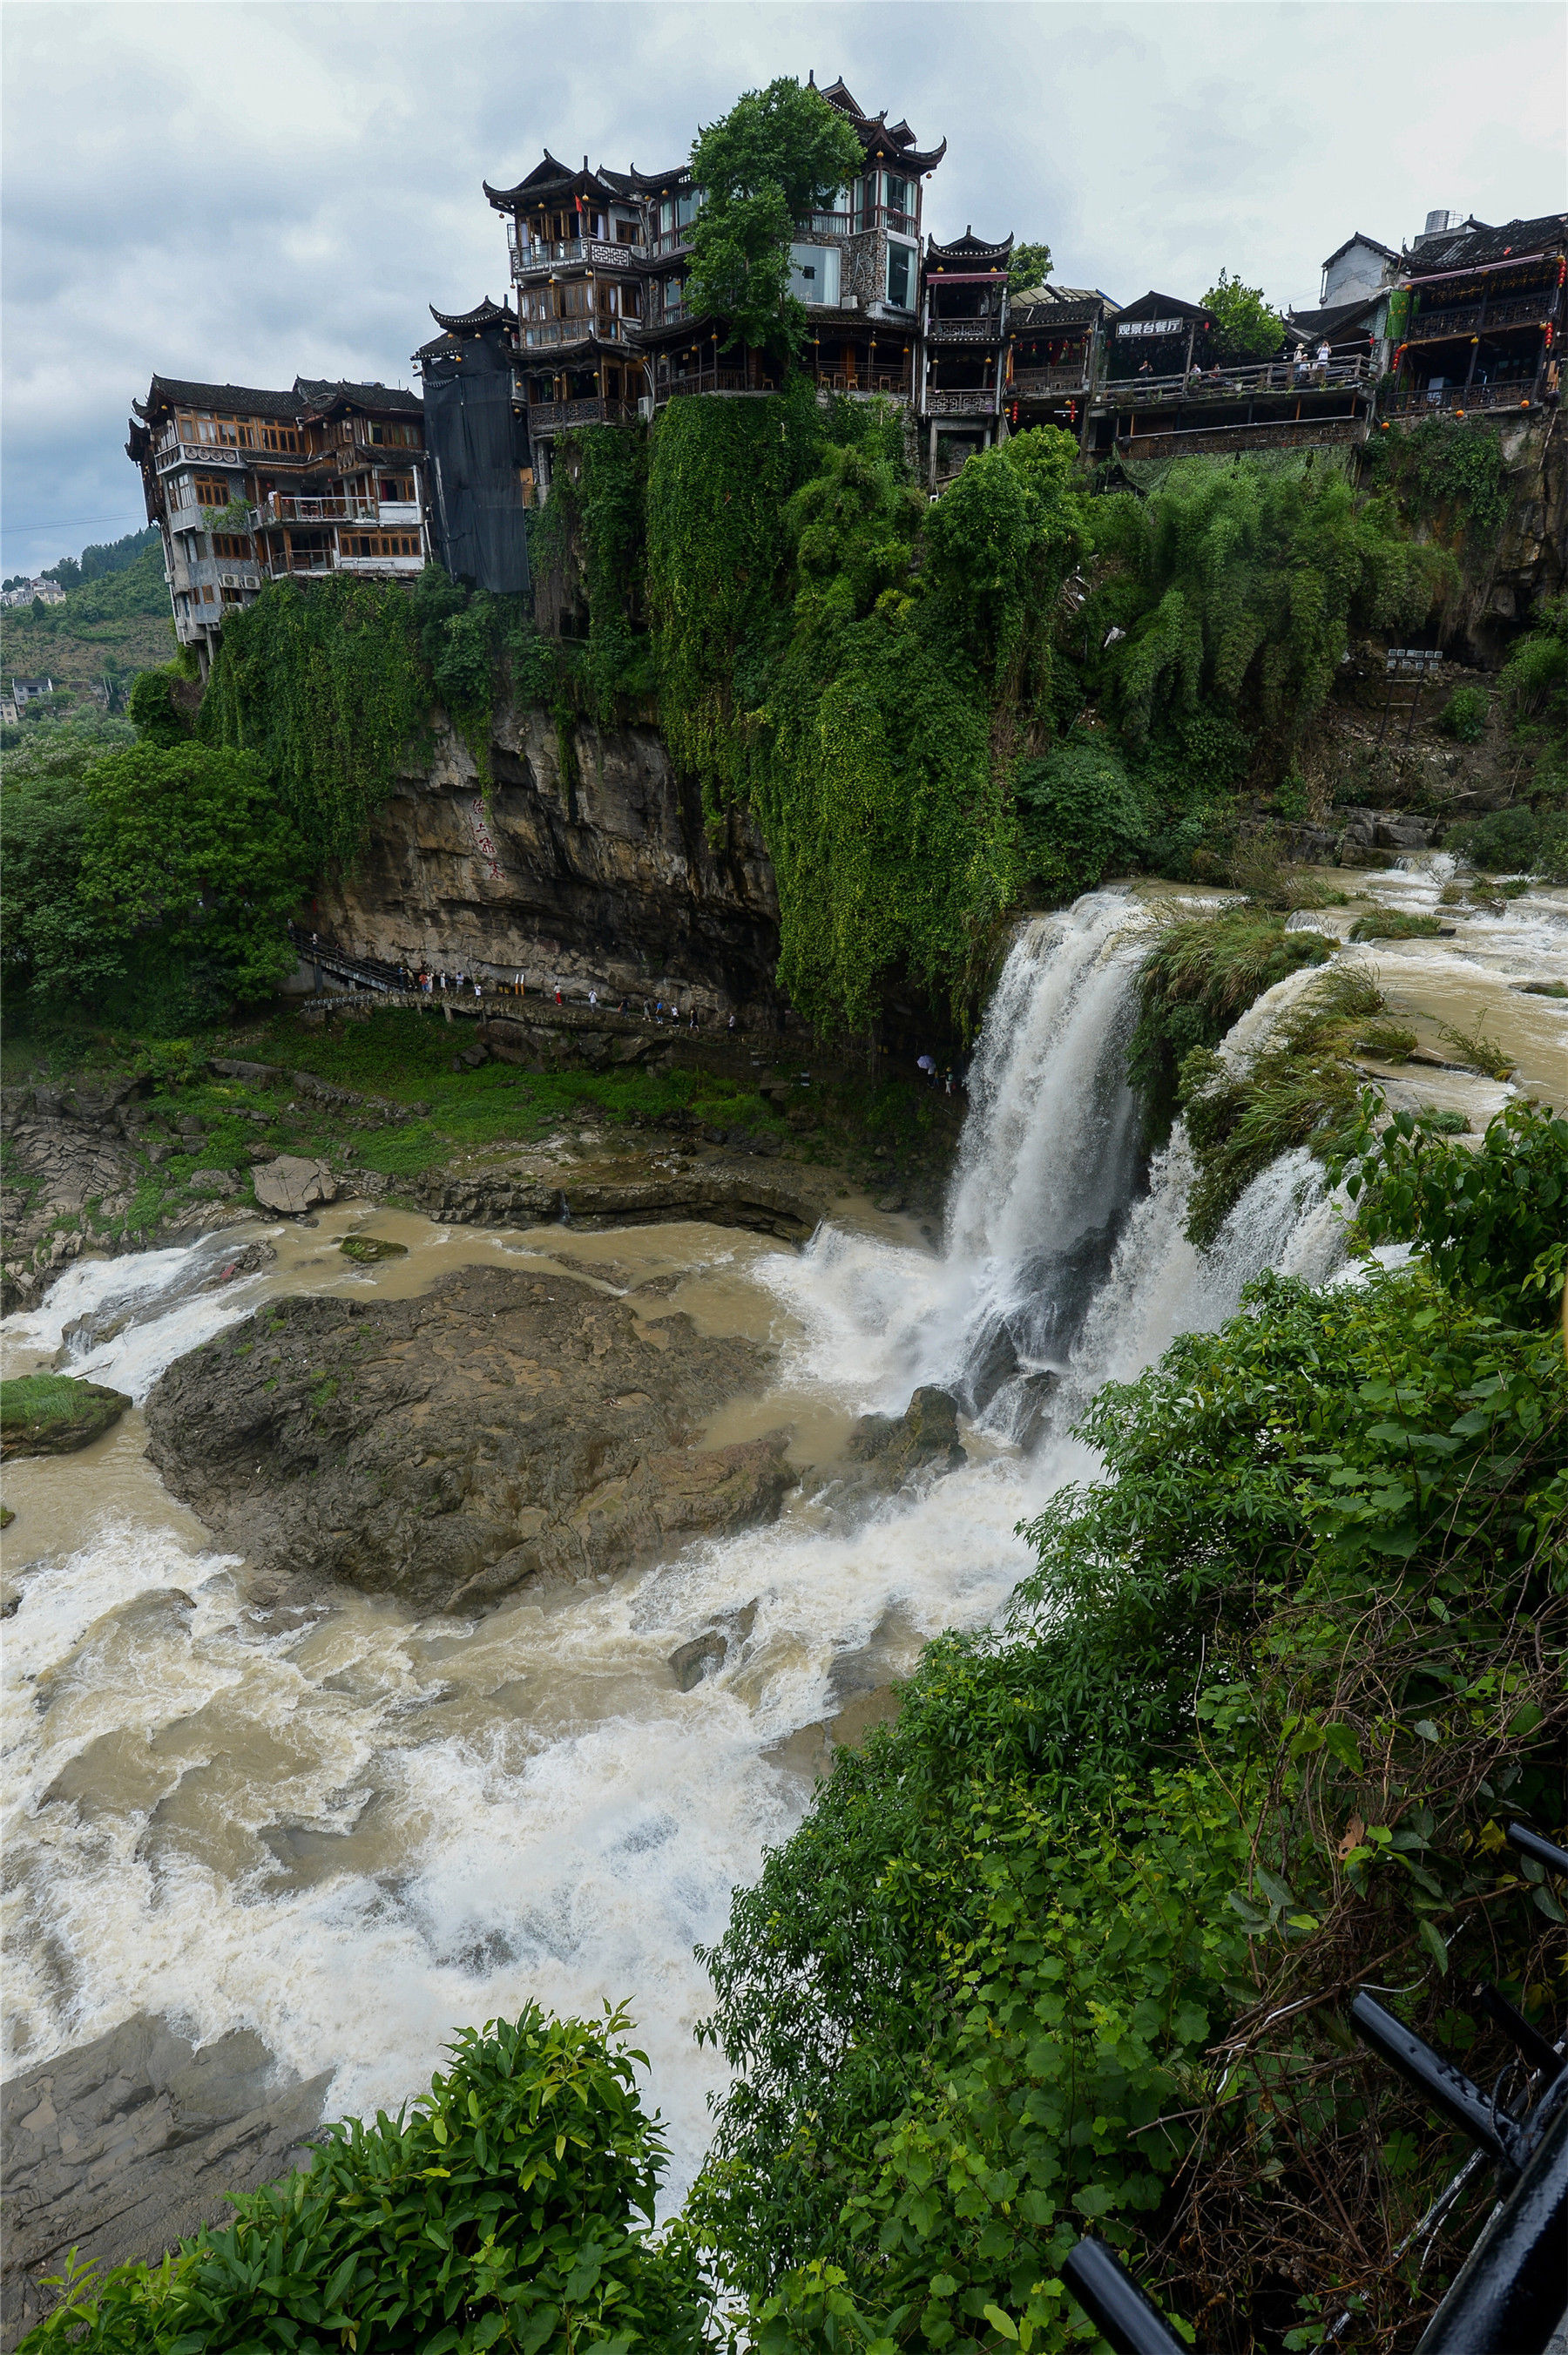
[
  {"x": 162, "y": 876},
  {"x": 1534, "y": 679},
  {"x": 501, "y": 2211},
  {"x": 1069, "y": 1946}
]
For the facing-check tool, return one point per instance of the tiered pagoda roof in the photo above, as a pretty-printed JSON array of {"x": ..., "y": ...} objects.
[
  {"x": 552, "y": 182},
  {"x": 884, "y": 142},
  {"x": 968, "y": 254},
  {"x": 474, "y": 322}
]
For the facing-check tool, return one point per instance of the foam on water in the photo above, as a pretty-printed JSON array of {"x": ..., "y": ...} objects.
[{"x": 358, "y": 1832}]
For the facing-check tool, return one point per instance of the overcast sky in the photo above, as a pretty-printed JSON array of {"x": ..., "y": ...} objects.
[{"x": 241, "y": 191}]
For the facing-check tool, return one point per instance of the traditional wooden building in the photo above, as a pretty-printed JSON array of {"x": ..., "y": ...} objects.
[
  {"x": 1167, "y": 388},
  {"x": 1476, "y": 315},
  {"x": 600, "y": 261},
  {"x": 1056, "y": 355},
  {"x": 248, "y": 485},
  {"x": 964, "y": 334}
]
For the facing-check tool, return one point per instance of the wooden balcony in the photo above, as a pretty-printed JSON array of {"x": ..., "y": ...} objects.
[
  {"x": 1246, "y": 383},
  {"x": 277, "y": 507},
  {"x": 978, "y": 402},
  {"x": 1531, "y": 309},
  {"x": 1038, "y": 384},
  {"x": 964, "y": 331},
  {"x": 556, "y": 335},
  {"x": 560, "y": 416},
  {"x": 1420, "y": 401}
]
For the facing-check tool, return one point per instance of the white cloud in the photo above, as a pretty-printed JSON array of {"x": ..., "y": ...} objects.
[{"x": 244, "y": 191}]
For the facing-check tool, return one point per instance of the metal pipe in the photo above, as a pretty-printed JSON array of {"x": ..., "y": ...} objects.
[
  {"x": 1446, "y": 2088},
  {"x": 1114, "y": 2304},
  {"x": 1540, "y": 1850},
  {"x": 1508, "y": 2296}
]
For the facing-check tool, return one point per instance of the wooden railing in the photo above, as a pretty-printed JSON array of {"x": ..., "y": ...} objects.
[
  {"x": 1412, "y": 401},
  {"x": 964, "y": 331},
  {"x": 278, "y": 509},
  {"x": 1266, "y": 376},
  {"x": 556, "y": 416},
  {"x": 1518, "y": 310},
  {"x": 546, "y": 335},
  {"x": 671, "y": 387},
  {"x": 1028, "y": 382}
]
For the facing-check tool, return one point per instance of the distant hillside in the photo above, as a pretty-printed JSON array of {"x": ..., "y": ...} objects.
[{"x": 110, "y": 628}]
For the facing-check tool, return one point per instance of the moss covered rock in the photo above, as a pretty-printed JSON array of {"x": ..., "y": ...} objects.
[
  {"x": 52, "y": 1415},
  {"x": 370, "y": 1248}
]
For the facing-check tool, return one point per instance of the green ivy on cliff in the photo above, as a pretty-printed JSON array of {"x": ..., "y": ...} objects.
[
  {"x": 720, "y": 475},
  {"x": 325, "y": 686}
]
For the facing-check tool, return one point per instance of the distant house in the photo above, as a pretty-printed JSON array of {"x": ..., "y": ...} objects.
[
  {"x": 46, "y": 592},
  {"x": 28, "y": 691}
]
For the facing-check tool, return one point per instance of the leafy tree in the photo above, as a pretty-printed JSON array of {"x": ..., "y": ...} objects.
[
  {"x": 778, "y": 154},
  {"x": 1082, "y": 815},
  {"x": 999, "y": 543},
  {"x": 501, "y": 2211},
  {"x": 56, "y": 944},
  {"x": 186, "y": 853},
  {"x": 155, "y": 713},
  {"x": 1246, "y": 328},
  {"x": 1028, "y": 265}
]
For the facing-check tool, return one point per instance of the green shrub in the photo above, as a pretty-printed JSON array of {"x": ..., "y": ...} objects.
[
  {"x": 1067, "y": 1944},
  {"x": 1534, "y": 679},
  {"x": 1464, "y": 715},
  {"x": 157, "y": 717},
  {"x": 1080, "y": 815},
  {"x": 1505, "y": 841},
  {"x": 501, "y": 2211},
  {"x": 1238, "y": 586}
]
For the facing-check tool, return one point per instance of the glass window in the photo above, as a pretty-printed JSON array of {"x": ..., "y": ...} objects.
[
  {"x": 900, "y": 275},
  {"x": 814, "y": 273}
]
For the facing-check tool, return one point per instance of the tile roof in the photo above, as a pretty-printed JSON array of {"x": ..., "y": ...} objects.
[{"x": 1475, "y": 243}]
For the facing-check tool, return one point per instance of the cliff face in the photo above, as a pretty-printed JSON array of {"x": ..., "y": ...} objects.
[
  {"x": 589, "y": 862},
  {"x": 1529, "y": 559}
]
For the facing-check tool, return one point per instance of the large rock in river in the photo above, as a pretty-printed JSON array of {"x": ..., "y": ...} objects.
[
  {"x": 507, "y": 1424},
  {"x": 122, "y": 2147}
]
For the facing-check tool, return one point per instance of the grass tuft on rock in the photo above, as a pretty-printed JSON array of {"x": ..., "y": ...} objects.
[
  {"x": 1395, "y": 924},
  {"x": 1202, "y": 972},
  {"x": 53, "y": 1415}
]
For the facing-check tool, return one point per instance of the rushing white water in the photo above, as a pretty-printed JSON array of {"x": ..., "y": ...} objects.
[{"x": 352, "y": 1832}]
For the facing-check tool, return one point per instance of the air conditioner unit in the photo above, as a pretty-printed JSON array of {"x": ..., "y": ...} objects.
[
  {"x": 848, "y": 301},
  {"x": 646, "y": 408}
]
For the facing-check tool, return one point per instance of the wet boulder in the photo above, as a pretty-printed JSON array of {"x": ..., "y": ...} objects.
[
  {"x": 889, "y": 1448},
  {"x": 292, "y": 1185}
]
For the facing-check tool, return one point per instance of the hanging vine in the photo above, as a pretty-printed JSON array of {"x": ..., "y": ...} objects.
[{"x": 326, "y": 687}]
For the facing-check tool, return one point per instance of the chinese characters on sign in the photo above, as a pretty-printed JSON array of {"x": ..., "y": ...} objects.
[{"x": 482, "y": 836}]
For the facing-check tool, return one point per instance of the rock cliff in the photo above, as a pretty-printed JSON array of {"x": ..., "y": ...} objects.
[{"x": 586, "y": 857}]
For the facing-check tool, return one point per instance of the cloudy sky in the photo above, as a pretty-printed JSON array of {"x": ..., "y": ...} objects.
[{"x": 242, "y": 190}]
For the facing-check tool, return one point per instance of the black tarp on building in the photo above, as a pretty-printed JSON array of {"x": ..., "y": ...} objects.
[{"x": 476, "y": 443}]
